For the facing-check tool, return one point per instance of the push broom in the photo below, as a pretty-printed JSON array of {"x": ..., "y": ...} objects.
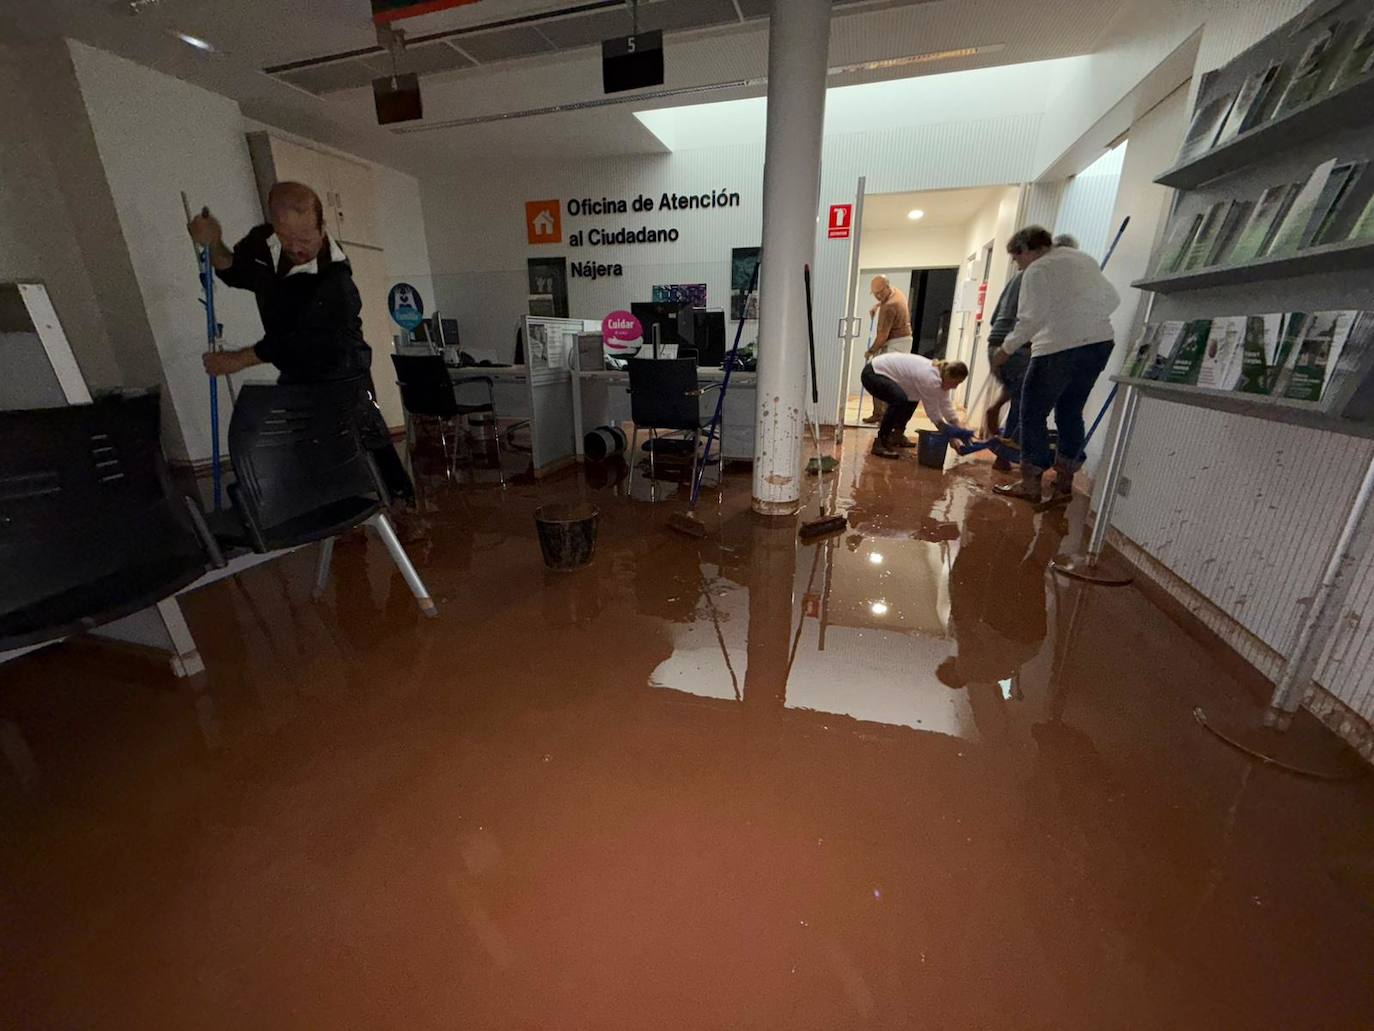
[
  {"x": 212, "y": 340},
  {"x": 687, "y": 522},
  {"x": 824, "y": 525}
]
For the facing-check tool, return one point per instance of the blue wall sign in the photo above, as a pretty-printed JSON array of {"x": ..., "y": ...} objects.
[{"x": 406, "y": 307}]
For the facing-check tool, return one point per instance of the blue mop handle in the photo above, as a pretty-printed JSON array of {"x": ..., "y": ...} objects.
[
  {"x": 725, "y": 385},
  {"x": 207, "y": 274}
]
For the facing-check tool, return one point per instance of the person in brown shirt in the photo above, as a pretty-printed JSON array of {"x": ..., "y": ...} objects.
[{"x": 893, "y": 330}]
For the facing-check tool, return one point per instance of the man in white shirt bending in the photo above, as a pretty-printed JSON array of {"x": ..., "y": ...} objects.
[
  {"x": 1065, "y": 313},
  {"x": 904, "y": 381}
]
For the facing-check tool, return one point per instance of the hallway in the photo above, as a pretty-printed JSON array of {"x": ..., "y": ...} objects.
[{"x": 885, "y": 781}]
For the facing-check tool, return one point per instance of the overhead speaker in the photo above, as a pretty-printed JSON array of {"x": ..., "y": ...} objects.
[
  {"x": 397, "y": 98},
  {"x": 632, "y": 62}
]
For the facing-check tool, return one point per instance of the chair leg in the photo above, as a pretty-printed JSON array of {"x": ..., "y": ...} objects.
[
  {"x": 496, "y": 429},
  {"x": 696, "y": 454},
  {"x": 653, "y": 464},
  {"x": 634, "y": 455},
  {"x": 382, "y": 525},
  {"x": 322, "y": 565}
]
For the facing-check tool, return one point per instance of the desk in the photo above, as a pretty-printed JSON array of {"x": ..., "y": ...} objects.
[
  {"x": 601, "y": 398},
  {"x": 540, "y": 395}
]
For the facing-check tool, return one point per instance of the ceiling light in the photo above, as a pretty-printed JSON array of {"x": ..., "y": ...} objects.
[
  {"x": 878, "y": 608},
  {"x": 915, "y": 214},
  {"x": 876, "y": 559},
  {"x": 194, "y": 41}
]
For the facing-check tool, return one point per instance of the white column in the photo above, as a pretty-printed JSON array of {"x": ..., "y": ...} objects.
[{"x": 798, "y": 39}]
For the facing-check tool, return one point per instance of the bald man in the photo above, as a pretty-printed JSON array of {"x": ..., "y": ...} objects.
[
  {"x": 309, "y": 306},
  {"x": 893, "y": 330}
]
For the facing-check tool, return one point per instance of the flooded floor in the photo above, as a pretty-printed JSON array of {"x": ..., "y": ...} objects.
[{"x": 900, "y": 779}]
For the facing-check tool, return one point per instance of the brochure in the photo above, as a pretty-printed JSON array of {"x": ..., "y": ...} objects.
[
  {"x": 1339, "y": 185},
  {"x": 1310, "y": 71},
  {"x": 1359, "y": 59},
  {"x": 1290, "y": 335},
  {"x": 1165, "y": 346},
  {"x": 1291, "y": 231},
  {"x": 1221, "y": 360},
  {"x": 1252, "y": 104},
  {"x": 1253, "y": 241},
  {"x": 1236, "y": 217},
  {"x": 1176, "y": 244},
  {"x": 1207, "y": 122},
  {"x": 1206, "y": 239},
  {"x": 1318, "y": 354},
  {"x": 1258, "y": 350},
  {"x": 1192, "y": 346}
]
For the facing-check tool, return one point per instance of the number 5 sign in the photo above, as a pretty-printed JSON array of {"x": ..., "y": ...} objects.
[{"x": 840, "y": 217}]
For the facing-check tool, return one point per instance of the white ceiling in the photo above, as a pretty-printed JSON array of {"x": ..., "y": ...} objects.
[
  {"x": 943, "y": 208},
  {"x": 257, "y": 34}
]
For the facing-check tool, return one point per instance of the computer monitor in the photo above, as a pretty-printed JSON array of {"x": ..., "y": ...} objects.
[
  {"x": 667, "y": 316},
  {"x": 703, "y": 329},
  {"x": 448, "y": 333}
]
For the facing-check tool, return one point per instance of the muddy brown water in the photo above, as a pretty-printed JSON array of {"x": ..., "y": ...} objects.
[{"x": 729, "y": 783}]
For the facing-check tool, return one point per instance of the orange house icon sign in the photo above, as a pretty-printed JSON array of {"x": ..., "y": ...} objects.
[{"x": 543, "y": 223}]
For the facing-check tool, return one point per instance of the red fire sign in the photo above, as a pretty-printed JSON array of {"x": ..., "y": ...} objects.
[{"x": 841, "y": 215}]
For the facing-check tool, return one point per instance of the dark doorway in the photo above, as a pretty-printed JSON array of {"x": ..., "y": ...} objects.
[{"x": 932, "y": 305}]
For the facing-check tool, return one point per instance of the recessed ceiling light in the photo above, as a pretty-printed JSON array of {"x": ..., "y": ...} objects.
[
  {"x": 194, "y": 41},
  {"x": 878, "y": 608},
  {"x": 915, "y": 213},
  {"x": 875, "y": 558}
]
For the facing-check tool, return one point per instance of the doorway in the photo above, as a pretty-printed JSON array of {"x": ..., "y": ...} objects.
[{"x": 930, "y": 297}]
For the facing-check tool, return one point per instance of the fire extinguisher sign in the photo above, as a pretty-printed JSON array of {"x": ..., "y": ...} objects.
[{"x": 841, "y": 215}]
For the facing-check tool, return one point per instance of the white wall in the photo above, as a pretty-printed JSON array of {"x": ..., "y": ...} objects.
[
  {"x": 158, "y": 136},
  {"x": 1238, "y": 513},
  {"x": 475, "y": 216},
  {"x": 1153, "y": 145},
  {"x": 39, "y": 237},
  {"x": 912, "y": 248},
  {"x": 994, "y": 223}
]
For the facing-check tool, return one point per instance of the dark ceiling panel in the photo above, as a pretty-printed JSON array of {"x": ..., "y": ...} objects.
[
  {"x": 586, "y": 29},
  {"x": 327, "y": 78},
  {"x": 433, "y": 57},
  {"x": 504, "y": 44},
  {"x": 675, "y": 15}
]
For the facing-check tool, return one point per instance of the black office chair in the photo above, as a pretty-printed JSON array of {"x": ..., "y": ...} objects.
[
  {"x": 91, "y": 529},
  {"x": 427, "y": 392},
  {"x": 302, "y": 475},
  {"x": 666, "y": 395}
]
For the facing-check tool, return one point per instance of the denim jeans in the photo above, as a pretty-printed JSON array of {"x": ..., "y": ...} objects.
[
  {"x": 1013, "y": 377},
  {"x": 1059, "y": 383},
  {"x": 899, "y": 408}
]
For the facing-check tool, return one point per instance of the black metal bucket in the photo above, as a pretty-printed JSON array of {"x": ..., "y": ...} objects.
[{"x": 567, "y": 534}]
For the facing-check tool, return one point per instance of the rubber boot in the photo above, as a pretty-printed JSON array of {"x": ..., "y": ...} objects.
[
  {"x": 1062, "y": 489},
  {"x": 1028, "y": 488},
  {"x": 883, "y": 447}
]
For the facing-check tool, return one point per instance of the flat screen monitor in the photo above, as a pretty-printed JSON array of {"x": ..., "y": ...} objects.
[
  {"x": 666, "y": 315},
  {"x": 448, "y": 331},
  {"x": 704, "y": 331}
]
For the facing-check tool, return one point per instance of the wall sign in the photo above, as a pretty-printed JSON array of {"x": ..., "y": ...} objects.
[
  {"x": 406, "y": 307},
  {"x": 622, "y": 332},
  {"x": 543, "y": 221},
  {"x": 841, "y": 215}
]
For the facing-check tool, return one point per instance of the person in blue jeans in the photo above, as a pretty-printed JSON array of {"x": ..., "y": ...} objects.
[
  {"x": 1064, "y": 313},
  {"x": 1012, "y": 374}
]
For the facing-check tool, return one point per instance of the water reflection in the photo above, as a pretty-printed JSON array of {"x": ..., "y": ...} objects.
[{"x": 923, "y": 617}]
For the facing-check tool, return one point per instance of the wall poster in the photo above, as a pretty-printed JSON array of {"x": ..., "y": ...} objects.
[
  {"x": 548, "y": 286},
  {"x": 742, "y": 263},
  {"x": 681, "y": 293}
]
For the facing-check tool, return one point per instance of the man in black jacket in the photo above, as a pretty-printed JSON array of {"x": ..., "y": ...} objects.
[{"x": 309, "y": 307}]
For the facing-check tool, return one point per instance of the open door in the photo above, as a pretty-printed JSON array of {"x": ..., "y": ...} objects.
[{"x": 851, "y": 326}]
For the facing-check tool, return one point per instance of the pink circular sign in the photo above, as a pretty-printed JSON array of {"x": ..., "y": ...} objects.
[{"x": 620, "y": 330}]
